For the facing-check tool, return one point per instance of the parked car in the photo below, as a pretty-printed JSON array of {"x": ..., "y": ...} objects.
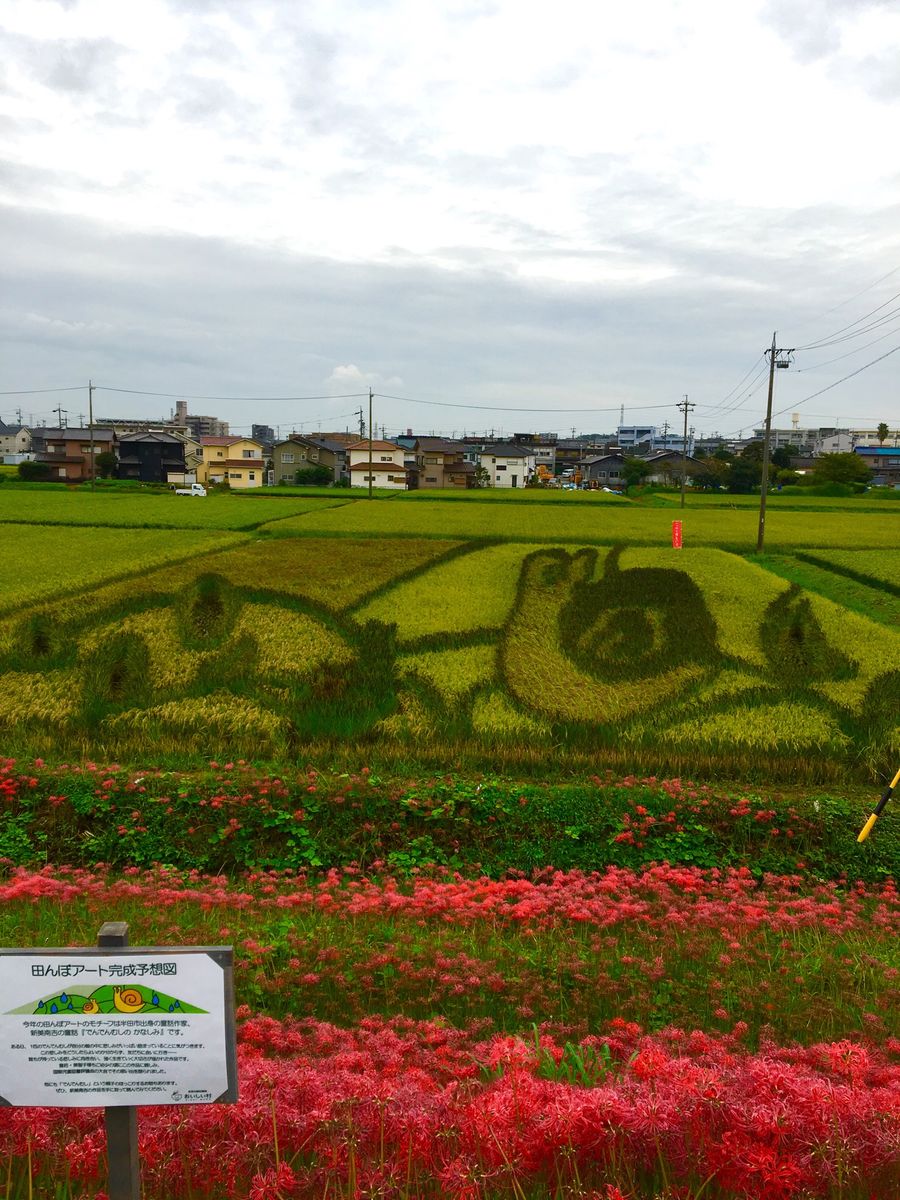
[{"x": 195, "y": 489}]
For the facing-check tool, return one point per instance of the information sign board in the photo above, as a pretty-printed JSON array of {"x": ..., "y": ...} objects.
[
  {"x": 676, "y": 535},
  {"x": 129, "y": 1026}
]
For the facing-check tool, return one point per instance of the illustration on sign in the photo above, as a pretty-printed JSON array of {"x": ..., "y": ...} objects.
[{"x": 136, "y": 998}]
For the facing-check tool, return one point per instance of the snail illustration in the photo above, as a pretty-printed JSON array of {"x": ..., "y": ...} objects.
[
  {"x": 90, "y": 1007},
  {"x": 127, "y": 1000}
]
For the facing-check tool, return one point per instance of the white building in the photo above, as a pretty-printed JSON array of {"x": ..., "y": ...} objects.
[
  {"x": 385, "y": 468},
  {"x": 508, "y": 465},
  {"x": 15, "y": 442},
  {"x": 658, "y": 440},
  {"x": 834, "y": 443}
]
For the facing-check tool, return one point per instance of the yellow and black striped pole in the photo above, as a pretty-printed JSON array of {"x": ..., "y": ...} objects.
[{"x": 885, "y": 796}]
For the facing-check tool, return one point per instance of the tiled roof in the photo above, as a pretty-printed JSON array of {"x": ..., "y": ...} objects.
[
  {"x": 222, "y": 440},
  {"x": 376, "y": 445},
  {"x": 393, "y": 468}
]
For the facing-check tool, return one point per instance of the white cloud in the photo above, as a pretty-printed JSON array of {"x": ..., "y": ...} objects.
[{"x": 577, "y": 175}]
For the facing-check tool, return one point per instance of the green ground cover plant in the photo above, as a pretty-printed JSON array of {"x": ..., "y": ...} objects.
[
  {"x": 234, "y": 816},
  {"x": 39, "y": 561}
]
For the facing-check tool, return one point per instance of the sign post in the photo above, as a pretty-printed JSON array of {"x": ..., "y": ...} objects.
[
  {"x": 676, "y": 535},
  {"x": 121, "y": 1119},
  {"x": 116, "y": 1027}
]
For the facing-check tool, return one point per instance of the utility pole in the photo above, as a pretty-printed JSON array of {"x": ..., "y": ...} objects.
[
  {"x": 91, "y": 420},
  {"x": 665, "y": 435},
  {"x": 685, "y": 408},
  {"x": 60, "y": 412},
  {"x": 783, "y": 363},
  {"x": 362, "y": 427},
  {"x": 371, "y": 468},
  {"x": 19, "y": 415}
]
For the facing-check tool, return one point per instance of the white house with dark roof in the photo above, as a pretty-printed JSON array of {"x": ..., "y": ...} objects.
[
  {"x": 385, "y": 467},
  {"x": 507, "y": 464},
  {"x": 15, "y": 443}
]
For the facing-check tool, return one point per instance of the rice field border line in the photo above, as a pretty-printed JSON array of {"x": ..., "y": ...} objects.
[
  {"x": 789, "y": 567},
  {"x": 241, "y": 538},
  {"x": 738, "y": 549},
  {"x": 871, "y": 581},
  {"x": 465, "y": 640},
  {"x": 249, "y": 528}
]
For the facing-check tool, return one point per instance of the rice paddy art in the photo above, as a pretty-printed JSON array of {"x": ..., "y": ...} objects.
[{"x": 624, "y": 653}]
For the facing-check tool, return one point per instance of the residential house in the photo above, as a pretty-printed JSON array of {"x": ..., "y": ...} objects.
[
  {"x": 884, "y": 462},
  {"x": 67, "y": 452},
  {"x": 605, "y": 470},
  {"x": 571, "y": 452},
  {"x": 668, "y": 465},
  {"x": 507, "y": 464},
  {"x": 151, "y": 457},
  {"x": 15, "y": 443},
  {"x": 237, "y": 461},
  {"x": 299, "y": 451},
  {"x": 433, "y": 462},
  {"x": 544, "y": 447},
  {"x": 378, "y": 462}
]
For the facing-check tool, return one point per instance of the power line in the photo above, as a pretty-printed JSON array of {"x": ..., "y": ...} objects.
[
  {"x": 850, "y": 353},
  {"x": 42, "y": 391},
  {"x": 855, "y": 296},
  {"x": 508, "y": 408},
  {"x": 821, "y": 391},
  {"x": 829, "y": 338},
  {"x": 237, "y": 399}
]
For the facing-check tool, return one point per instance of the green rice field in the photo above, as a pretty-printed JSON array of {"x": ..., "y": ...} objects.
[{"x": 489, "y": 632}]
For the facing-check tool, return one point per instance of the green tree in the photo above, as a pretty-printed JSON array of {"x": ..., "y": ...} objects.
[
  {"x": 33, "y": 471},
  {"x": 106, "y": 463},
  {"x": 781, "y": 457},
  {"x": 841, "y": 468},
  {"x": 744, "y": 474},
  {"x": 635, "y": 471},
  {"x": 714, "y": 474},
  {"x": 882, "y": 433},
  {"x": 752, "y": 452},
  {"x": 320, "y": 476},
  {"x": 482, "y": 477}
]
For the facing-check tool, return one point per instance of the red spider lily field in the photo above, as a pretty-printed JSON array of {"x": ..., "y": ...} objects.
[
  {"x": 536, "y": 843},
  {"x": 631, "y": 1024}
]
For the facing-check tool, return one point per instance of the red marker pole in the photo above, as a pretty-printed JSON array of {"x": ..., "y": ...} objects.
[{"x": 676, "y": 535}]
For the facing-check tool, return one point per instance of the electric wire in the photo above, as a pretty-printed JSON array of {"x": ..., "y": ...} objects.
[
  {"x": 510, "y": 408},
  {"x": 237, "y": 399},
  {"x": 850, "y": 353},
  {"x": 44, "y": 391},
  {"x": 818, "y": 316},
  {"x": 830, "y": 338},
  {"x": 822, "y": 391}
]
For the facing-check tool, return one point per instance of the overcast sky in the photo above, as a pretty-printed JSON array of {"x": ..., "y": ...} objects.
[{"x": 519, "y": 204}]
